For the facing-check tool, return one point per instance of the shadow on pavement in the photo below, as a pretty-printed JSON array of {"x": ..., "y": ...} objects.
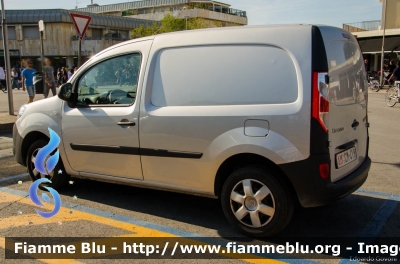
[{"x": 345, "y": 218}]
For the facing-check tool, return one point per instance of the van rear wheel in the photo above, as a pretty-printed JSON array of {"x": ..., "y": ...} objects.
[
  {"x": 58, "y": 176},
  {"x": 255, "y": 203}
]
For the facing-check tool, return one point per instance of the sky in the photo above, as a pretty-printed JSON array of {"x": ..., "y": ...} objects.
[{"x": 327, "y": 12}]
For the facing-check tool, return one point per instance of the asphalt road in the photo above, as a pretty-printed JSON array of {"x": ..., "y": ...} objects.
[{"x": 122, "y": 210}]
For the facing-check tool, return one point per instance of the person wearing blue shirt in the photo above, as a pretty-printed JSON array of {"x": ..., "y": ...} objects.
[{"x": 27, "y": 80}]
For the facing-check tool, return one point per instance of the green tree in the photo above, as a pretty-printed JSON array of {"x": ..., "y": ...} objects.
[{"x": 171, "y": 23}]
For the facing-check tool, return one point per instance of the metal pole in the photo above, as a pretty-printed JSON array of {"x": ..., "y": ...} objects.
[
  {"x": 42, "y": 52},
  {"x": 383, "y": 39},
  {"x": 7, "y": 60},
  {"x": 79, "y": 52},
  {"x": 186, "y": 23}
]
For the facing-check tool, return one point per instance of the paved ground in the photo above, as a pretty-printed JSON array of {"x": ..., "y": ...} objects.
[{"x": 103, "y": 209}]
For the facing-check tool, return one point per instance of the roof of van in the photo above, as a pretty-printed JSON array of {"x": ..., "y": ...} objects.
[
  {"x": 221, "y": 29},
  {"x": 239, "y": 28}
]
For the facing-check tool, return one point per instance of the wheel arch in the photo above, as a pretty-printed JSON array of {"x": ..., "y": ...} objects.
[
  {"x": 28, "y": 140},
  {"x": 242, "y": 159}
]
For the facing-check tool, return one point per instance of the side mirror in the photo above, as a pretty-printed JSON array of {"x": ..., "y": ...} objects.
[{"x": 65, "y": 92}]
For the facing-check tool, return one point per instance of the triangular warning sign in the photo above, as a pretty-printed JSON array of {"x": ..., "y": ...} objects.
[{"x": 81, "y": 23}]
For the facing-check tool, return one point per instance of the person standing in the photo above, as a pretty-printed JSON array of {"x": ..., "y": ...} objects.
[
  {"x": 64, "y": 74},
  {"x": 366, "y": 65},
  {"x": 3, "y": 77},
  {"x": 70, "y": 73},
  {"x": 59, "y": 77},
  {"x": 50, "y": 82},
  {"x": 14, "y": 77},
  {"x": 27, "y": 80}
]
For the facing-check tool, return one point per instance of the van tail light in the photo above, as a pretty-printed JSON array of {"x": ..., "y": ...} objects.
[
  {"x": 324, "y": 170},
  {"x": 320, "y": 103}
]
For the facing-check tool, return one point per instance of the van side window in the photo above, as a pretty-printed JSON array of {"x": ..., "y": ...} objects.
[{"x": 111, "y": 82}]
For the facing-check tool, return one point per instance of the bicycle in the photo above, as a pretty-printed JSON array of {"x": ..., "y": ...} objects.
[
  {"x": 373, "y": 83},
  {"x": 392, "y": 95}
]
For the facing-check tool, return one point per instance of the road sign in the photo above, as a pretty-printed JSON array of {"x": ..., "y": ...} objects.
[{"x": 81, "y": 23}]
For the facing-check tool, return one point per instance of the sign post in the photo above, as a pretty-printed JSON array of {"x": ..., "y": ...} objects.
[
  {"x": 81, "y": 23},
  {"x": 7, "y": 60}
]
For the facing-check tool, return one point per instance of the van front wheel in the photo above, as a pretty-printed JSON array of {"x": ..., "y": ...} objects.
[
  {"x": 58, "y": 176},
  {"x": 255, "y": 202}
]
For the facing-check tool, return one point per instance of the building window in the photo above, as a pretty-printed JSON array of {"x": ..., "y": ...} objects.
[
  {"x": 97, "y": 33},
  {"x": 12, "y": 34},
  {"x": 30, "y": 32}
]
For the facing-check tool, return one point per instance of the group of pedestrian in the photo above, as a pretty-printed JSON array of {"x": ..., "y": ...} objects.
[
  {"x": 64, "y": 74},
  {"x": 51, "y": 81},
  {"x": 15, "y": 76}
]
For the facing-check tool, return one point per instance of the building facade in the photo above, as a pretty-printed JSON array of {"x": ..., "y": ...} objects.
[
  {"x": 212, "y": 12},
  {"x": 370, "y": 34},
  {"x": 60, "y": 39}
]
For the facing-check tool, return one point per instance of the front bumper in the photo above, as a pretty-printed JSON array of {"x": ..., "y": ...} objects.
[
  {"x": 17, "y": 146},
  {"x": 314, "y": 191}
]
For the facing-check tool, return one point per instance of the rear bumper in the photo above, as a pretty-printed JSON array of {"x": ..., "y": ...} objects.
[
  {"x": 314, "y": 191},
  {"x": 17, "y": 146}
]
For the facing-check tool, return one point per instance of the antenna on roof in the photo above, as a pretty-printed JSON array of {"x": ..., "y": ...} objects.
[{"x": 77, "y": 2}]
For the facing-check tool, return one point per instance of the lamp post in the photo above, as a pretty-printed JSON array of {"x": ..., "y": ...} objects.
[
  {"x": 7, "y": 60},
  {"x": 383, "y": 39},
  {"x": 41, "y": 30}
]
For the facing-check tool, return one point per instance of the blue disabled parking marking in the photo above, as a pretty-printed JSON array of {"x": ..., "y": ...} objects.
[
  {"x": 374, "y": 227},
  {"x": 14, "y": 177},
  {"x": 371, "y": 230}
]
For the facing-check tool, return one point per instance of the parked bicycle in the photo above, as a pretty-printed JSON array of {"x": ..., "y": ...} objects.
[
  {"x": 392, "y": 95},
  {"x": 373, "y": 83}
]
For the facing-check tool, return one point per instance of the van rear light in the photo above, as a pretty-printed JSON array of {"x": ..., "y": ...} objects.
[
  {"x": 324, "y": 170},
  {"x": 320, "y": 103}
]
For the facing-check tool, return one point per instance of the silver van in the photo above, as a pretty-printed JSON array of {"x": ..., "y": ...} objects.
[{"x": 262, "y": 117}]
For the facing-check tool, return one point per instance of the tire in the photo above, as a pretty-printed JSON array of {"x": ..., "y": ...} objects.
[
  {"x": 58, "y": 180},
  {"x": 391, "y": 97},
  {"x": 277, "y": 205}
]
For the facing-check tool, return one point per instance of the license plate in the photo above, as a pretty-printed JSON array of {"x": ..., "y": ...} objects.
[{"x": 345, "y": 157}]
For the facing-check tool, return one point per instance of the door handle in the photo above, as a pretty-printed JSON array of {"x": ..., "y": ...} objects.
[{"x": 125, "y": 122}]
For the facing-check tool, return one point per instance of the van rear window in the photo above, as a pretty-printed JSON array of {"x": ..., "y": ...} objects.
[
  {"x": 346, "y": 72},
  {"x": 223, "y": 75}
]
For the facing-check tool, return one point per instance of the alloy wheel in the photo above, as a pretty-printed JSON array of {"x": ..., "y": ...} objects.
[{"x": 252, "y": 203}]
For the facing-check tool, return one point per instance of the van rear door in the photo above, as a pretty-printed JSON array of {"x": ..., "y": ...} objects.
[{"x": 347, "y": 95}]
